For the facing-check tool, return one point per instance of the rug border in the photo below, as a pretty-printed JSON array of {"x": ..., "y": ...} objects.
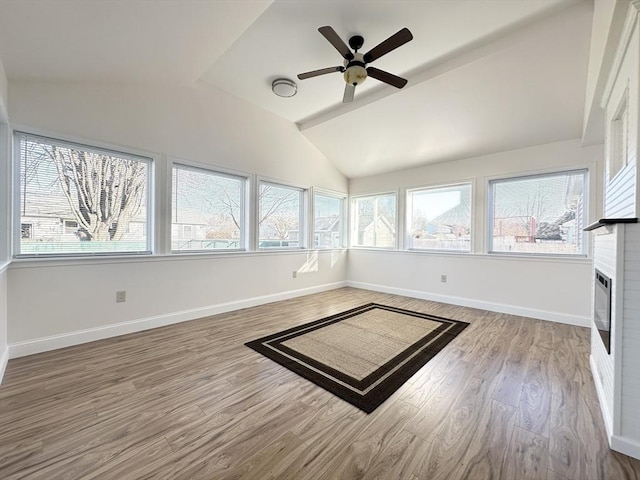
[{"x": 373, "y": 399}]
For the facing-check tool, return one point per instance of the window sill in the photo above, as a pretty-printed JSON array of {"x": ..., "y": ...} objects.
[
  {"x": 482, "y": 256},
  {"x": 115, "y": 259}
]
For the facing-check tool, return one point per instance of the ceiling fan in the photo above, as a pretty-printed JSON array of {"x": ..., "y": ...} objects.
[{"x": 355, "y": 67}]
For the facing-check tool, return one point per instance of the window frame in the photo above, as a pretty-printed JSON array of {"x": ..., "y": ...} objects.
[
  {"x": 586, "y": 181},
  {"x": 617, "y": 142},
  {"x": 353, "y": 234},
  {"x": 303, "y": 215},
  {"x": 408, "y": 215},
  {"x": 220, "y": 172},
  {"x": 343, "y": 217},
  {"x": 148, "y": 158}
]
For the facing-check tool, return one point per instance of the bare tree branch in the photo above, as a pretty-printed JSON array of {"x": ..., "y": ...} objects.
[{"x": 104, "y": 192}]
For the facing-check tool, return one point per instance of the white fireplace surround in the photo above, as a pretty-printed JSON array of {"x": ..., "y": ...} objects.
[{"x": 617, "y": 255}]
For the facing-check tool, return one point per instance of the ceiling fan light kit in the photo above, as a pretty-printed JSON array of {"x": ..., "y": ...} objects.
[
  {"x": 355, "y": 70},
  {"x": 283, "y": 87}
]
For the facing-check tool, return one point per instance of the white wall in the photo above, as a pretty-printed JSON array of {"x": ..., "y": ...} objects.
[
  {"x": 4, "y": 351},
  {"x": 4, "y": 216},
  {"x": 4, "y": 89},
  {"x": 621, "y": 198},
  {"x": 60, "y": 302},
  {"x": 550, "y": 289},
  {"x": 608, "y": 18},
  {"x": 200, "y": 124},
  {"x": 54, "y": 305}
]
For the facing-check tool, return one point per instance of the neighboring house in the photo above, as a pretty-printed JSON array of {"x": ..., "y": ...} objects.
[
  {"x": 380, "y": 232},
  {"x": 47, "y": 223},
  {"x": 450, "y": 230},
  {"x": 188, "y": 230},
  {"x": 327, "y": 232}
]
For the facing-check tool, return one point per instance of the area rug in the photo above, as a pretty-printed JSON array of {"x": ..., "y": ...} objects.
[{"x": 362, "y": 355}]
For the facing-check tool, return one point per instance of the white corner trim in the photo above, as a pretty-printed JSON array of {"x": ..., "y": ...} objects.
[
  {"x": 608, "y": 421},
  {"x": 621, "y": 444},
  {"x": 4, "y": 266},
  {"x": 468, "y": 302},
  {"x": 630, "y": 24},
  {"x": 625, "y": 445},
  {"x": 4, "y": 359},
  {"x": 45, "y": 344}
]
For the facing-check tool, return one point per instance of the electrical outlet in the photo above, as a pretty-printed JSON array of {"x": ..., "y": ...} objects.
[
  {"x": 121, "y": 296},
  {"x": 294, "y": 274},
  {"x": 443, "y": 278}
]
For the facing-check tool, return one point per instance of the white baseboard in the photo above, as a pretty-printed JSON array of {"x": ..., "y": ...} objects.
[
  {"x": 4, "y": 359},
  {"x": 625, "y": 445},
  {"x": 45, "y": 344},
  {"x": 467, "y": 302}
]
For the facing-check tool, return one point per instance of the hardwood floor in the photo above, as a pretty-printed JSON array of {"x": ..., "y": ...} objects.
[{"x": 510, "y": 398}]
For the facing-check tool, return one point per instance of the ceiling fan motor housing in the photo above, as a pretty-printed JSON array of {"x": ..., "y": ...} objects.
[{"x": 355, "y": 72}]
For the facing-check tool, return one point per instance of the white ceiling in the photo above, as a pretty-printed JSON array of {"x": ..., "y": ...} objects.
[{"x": 484, "y": 75}]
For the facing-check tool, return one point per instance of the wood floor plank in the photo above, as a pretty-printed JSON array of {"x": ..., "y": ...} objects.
[
  {"x": 190, "y": 401},
  {"x": 534, "y": 409},
  {"x": 399, "y": 459},
  {"x": 450, "y": 439},
  {"x": 439, "y": 402},
  {"x": 527, "y": 455},
  {"x": 509, "y": 387},
  {"x": 370, "y": 442},
  {"x": 564, "y": 443},
  {"x": 486, "y": 456}
]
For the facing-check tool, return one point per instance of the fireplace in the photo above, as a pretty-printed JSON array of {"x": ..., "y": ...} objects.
[{"x": 602, "y": 308}]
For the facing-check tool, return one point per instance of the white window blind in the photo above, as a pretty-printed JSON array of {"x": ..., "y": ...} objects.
[
  {"x": 374, "y": 221},
  {"x": 281, "y": 217},
  {"x": 79, "y": 200},
  {"x": 328, "y": 221},
  {"x": 439, "y": 218},
  {"x": 207, "y": 210},
  {"x": 539, "y": 214}
]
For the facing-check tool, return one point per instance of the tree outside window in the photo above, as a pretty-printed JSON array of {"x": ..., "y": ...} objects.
[
  {"x": 540, "y": 214},
  {"x": 207, "y": 210},
  {"x": 80, "y": 200},
  {"x": 280, "y": 216}
]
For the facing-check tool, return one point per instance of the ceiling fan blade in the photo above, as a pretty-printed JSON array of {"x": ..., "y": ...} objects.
[
  {"x": 386, "y": 77},
  {"x": 349, "y": 91},
  {"x": 391, "y": 43},
  {"x": 335, "y": 40},
  {"x": 322, "y": 71}
]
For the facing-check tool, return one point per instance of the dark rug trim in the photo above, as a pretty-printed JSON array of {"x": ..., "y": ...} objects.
[{"x": 374, "y": 398}]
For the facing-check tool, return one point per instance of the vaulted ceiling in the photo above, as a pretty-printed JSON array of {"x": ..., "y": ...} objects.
[{"x": 484, "y": 75}]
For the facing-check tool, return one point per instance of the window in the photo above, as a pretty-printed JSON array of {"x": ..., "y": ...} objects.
[
  {"x": 281, "y": 216},
  {"x": 374, "y": 221},
  {"x": 79, "y": 200},
  {"x": 70, "y": 226},
  {"x": 207, "y": 210},
  {"x": 541, "y": 214},
  {"x": 618, "y": 139},
  {"x": 328, "y": 214},
  {"x": 25, "y": 230},
  {"x": 439, "y": 218}
]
